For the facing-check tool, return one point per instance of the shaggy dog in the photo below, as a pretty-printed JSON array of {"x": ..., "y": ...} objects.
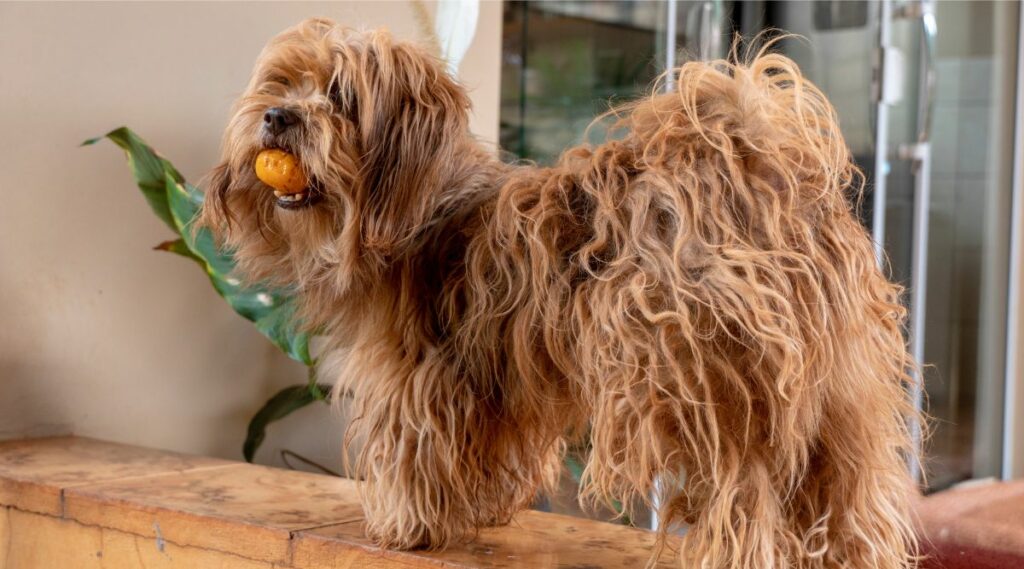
[{"x": 694, "y": 294}]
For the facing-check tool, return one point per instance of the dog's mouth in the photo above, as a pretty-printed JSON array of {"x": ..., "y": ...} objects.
[
  {"x": 297, "y": 200},
  {"x": 288, "y": 198}
]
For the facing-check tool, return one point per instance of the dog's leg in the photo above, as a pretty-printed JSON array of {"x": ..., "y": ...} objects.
[
  {"x": 702, "y": 445},
  {"x": 853, "y": 502},
  {"x": 443, "y": 455},
  {"x": 775, "y": 426}
]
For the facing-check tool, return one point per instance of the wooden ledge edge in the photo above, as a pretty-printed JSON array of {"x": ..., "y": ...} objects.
[{"x": 110, "y": 495}]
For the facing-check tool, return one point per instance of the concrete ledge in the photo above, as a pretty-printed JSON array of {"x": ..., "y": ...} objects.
[{"x": 83, "y": 503}]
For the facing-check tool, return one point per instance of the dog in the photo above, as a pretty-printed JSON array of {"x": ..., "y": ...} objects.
[{"x": 694, "y": 293}]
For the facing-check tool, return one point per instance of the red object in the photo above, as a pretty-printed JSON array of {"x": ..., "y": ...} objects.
[{"x": 976, "y": 527}]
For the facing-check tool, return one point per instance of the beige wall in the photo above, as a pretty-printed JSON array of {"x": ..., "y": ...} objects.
[{"x": 99, "y": 335}]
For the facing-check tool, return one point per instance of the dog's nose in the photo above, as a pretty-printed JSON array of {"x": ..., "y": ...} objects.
[{"x": 277, "y": 119}]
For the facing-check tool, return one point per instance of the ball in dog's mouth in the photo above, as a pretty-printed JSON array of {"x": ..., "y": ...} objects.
[{"x": 282, "y": 171}]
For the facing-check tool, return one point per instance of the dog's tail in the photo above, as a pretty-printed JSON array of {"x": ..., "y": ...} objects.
[{"x": 772, "y": 341}]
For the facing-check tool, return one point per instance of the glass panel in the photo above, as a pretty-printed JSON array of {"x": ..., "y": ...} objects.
[
  {"x": 564, "y": 61},
  {"x": 968, "y": 245},
  {"x": 968, "y": 250}
]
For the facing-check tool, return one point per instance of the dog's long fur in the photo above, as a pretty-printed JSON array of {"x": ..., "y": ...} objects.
[{"x": 695, "y": 293}]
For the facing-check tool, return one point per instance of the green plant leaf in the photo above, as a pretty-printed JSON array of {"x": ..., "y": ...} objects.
[
  {"x": 177, "y": 203},
  {"x": 282, "y": 404},
  {"x": 319, "y": 390},
  {"x": 178, "y": 247},
  {"x": 148, "y": 168},
  {"x": 277, "y": 324}
]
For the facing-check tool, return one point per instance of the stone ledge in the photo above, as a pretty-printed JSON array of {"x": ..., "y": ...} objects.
[{"x": 78, "y": 502}]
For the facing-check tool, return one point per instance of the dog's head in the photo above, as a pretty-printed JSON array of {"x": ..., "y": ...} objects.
[{"x": 374, "y": 124}]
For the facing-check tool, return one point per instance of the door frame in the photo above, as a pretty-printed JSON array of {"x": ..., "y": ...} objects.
[{"x": 1013, "y": 394}]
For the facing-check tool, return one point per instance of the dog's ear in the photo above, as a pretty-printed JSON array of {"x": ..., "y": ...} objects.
[
  {"x": 215, "y": 213},
  {"x": 412, "y": 118}
]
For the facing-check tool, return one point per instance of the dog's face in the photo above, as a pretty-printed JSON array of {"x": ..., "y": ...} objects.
[{"x": 373, "y": 124}]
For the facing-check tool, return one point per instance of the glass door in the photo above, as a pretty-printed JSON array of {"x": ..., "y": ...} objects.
[
  {"x": 968, "y": 246},
  {"x": 925, "y": 96}
]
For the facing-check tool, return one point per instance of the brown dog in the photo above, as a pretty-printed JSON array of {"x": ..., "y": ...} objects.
[{"x": 695, "y": 292}]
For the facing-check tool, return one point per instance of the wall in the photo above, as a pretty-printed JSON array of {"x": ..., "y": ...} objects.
[{"x": 100, "y": 335}]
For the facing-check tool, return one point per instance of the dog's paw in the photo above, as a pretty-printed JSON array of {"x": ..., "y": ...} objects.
[{"x": 403, "y": 535}]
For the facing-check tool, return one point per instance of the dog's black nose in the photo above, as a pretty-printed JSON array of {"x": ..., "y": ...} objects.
[{"x": 278, "y": 119}]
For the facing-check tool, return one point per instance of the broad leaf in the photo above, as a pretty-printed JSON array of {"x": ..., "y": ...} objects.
[
  {"x": 284, "y": 403},
  {"x": 178, "y": 247},
  {"x": 148, "y": 168},
  {"x": 177, "y": 203},
  {"x": 277, "y": 324}
]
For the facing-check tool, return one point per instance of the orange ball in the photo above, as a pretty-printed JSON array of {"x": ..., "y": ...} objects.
[{"x": 281, "y": 171}]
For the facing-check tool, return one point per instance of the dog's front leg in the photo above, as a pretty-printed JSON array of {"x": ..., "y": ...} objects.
[{"x": 443, "y": 456}]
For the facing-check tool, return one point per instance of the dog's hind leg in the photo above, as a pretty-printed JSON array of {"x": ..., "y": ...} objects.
[
  {"x": 682, "y": 431},
  {"x": 854, "y": 499},
  {"x": 766, "y": 398}
]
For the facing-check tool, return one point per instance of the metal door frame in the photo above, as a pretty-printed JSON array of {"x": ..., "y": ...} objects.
[{"x": 1013, "y": 425}]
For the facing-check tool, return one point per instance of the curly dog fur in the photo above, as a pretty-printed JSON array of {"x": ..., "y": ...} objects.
[{"x": 695, "y": 293}]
